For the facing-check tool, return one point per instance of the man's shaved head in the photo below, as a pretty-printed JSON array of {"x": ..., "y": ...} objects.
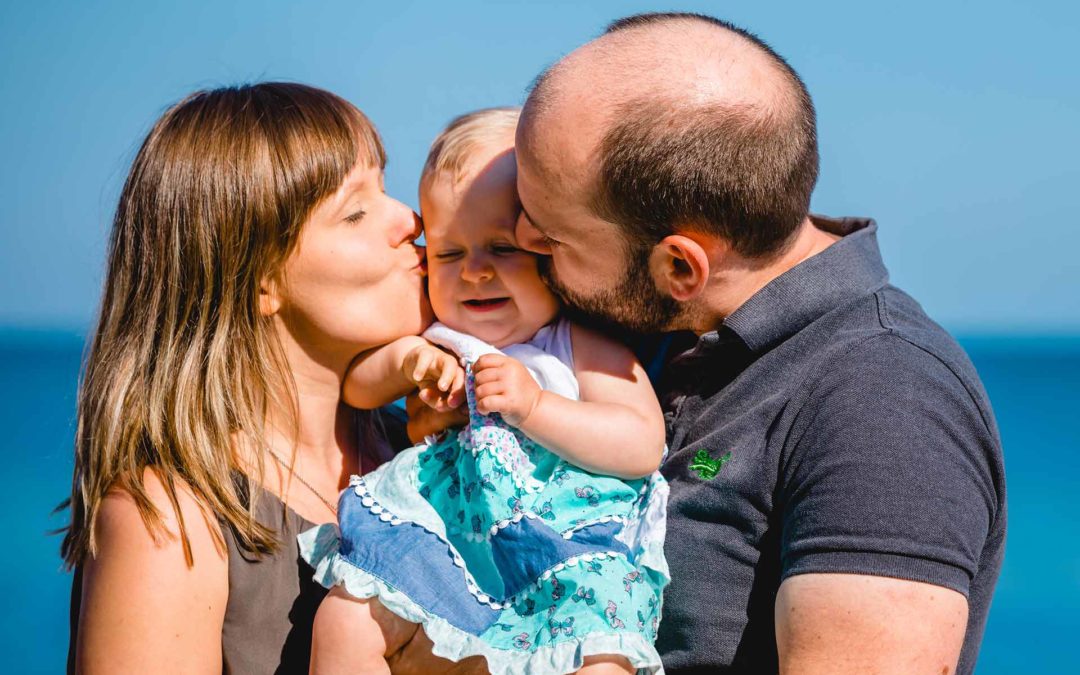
[{"x": 674, "y": 122}]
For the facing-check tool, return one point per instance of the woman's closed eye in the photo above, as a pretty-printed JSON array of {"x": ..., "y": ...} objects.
[{"x": 356, "y": 217}]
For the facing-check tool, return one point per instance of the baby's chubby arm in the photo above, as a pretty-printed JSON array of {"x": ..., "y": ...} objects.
[
  {"x": 384, "y": 374},
  {"x": 616, "y": 428}
]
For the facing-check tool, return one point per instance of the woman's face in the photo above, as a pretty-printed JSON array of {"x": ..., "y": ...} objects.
[{"x": 355, "y": 279}]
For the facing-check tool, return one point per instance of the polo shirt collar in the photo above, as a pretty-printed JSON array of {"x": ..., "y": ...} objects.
[{"x": 849, "y": 269}]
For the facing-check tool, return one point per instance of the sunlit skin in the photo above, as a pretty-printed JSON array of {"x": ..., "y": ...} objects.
[
  {"x": 482, "y": 283},
  {"x": 587, "y": 253},
  {"x": 825, "y": 623},
  {"x": 354, "y": 281}
]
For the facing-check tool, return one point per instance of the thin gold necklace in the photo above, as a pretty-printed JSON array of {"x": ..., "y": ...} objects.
[{"x": 296, "y": 474}]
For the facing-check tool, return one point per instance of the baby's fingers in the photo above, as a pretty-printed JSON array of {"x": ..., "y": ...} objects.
[
  {"x": 488, "y": 390},
  {"x": 449, "y": 375},
  {"x": 423, "y": 362},
  {"x": 457, "y": 389},
  {"x": 488, "y": 361},
  {"x": 491, "y": 404},
  {"x": 432, "y": 397}
]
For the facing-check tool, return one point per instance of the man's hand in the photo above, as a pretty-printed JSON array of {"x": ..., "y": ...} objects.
[
  {"x": 439, "y": 377},
  {"x": 425, "y": 421},
  {"x": 505, "y": 386}
]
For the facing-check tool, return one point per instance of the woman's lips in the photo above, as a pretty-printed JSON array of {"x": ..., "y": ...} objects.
[{"x": 488, "y": 305}]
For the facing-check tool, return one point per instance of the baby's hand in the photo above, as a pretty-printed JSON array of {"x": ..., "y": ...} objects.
[
  {"x": 439, "y": 377},
  {"x": 505, "y": 386}
]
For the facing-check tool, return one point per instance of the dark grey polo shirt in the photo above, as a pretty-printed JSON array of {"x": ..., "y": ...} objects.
[{"x": 828, "y": 426}]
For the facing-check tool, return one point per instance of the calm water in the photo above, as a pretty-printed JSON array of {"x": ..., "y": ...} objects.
[{"x": 1033, "y": 383}]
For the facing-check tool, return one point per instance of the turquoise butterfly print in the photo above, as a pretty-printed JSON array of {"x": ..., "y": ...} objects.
[
  {"x": 445, "y": 454},
  {"x": 632, "y": 578},
  {"x": 564, "y": 627},
  {"x": 528, "y": 609},
  {"x": 545, "y": 511},
  {"x": 515, "y": 504},
  {"x": 586, "y": 595},
  {"x": 611, "y": 615},
  {"x": 521, "y": 641},
  {"x": 558, "y": 589},
  {"x": 483, "y": 484},
  {"x": 560, "y": 475},
  {"x": 588, "y": 493}
]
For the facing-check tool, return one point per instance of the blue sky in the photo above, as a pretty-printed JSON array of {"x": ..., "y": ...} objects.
[{"x": 956, "y": 125}]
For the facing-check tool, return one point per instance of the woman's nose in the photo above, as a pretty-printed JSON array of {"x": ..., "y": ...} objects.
[
  {"x": 529, "y": 238},
  {"x": 407, "y": 224}
]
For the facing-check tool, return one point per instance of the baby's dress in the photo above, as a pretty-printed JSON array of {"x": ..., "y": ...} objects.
[{"x": 497, "y": 546}]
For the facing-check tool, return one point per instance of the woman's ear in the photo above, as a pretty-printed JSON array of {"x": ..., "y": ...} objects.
[
  {"x": 680, "y": 265},
  {"x": 269, "y": 296}
]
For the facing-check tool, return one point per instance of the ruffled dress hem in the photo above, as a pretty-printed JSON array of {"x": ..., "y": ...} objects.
[{"x": 320, "y": 545}]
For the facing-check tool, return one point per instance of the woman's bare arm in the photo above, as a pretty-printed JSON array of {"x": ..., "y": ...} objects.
[
  {"x": 144, "y": 610},
  {"x": 617, "y": 428}
]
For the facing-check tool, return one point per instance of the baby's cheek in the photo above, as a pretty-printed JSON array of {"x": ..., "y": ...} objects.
[{"x": 440, "y": 292}]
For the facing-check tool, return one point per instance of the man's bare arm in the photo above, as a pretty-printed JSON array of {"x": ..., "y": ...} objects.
[{"x": 835, "y": 624}]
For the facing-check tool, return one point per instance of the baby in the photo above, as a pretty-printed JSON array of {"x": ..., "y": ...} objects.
[{"x": 533, "y": 536}]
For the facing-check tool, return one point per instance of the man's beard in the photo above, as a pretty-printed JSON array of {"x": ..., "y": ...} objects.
[{"x": 635, "y": 304}]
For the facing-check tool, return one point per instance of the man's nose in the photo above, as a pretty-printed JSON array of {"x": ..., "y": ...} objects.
[{"x": 529, "y": 238}]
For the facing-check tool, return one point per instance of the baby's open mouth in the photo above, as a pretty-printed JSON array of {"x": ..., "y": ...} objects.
[{"x": 486, "y": 305}]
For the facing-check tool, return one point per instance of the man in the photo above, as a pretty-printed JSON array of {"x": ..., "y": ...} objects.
[{"x": 838, "y": 499}]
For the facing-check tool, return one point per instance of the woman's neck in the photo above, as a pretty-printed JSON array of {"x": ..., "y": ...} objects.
[{"x": 323, "y": 430}]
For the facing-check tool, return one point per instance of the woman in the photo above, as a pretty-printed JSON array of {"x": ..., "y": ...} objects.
[{"x": 253, "y": 255}]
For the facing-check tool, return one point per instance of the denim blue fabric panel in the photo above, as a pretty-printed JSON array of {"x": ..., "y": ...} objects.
[
  {"x": 412, "y": 560},
  {"x": 524, "y": 550}
]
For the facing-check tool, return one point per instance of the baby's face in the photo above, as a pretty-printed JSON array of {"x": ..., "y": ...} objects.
[{"x": 479, "y": 281}]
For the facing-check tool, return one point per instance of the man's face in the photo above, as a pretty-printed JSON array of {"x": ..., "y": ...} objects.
[{"x": 600, "y": 276}]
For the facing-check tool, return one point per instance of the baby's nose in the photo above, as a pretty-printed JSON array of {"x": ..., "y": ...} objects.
[{"x": 477, "y": 269}]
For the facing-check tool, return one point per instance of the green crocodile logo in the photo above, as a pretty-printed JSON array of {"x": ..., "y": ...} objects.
[{"x": 707, "y": 467}]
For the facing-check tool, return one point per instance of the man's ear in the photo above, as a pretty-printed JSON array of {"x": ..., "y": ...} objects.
[
  {"x": 680, "y": 266},
  {"x": 269, "y": 296}
]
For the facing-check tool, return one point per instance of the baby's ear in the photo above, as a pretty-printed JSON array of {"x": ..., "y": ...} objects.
[
  {"x": 680, "y": 266},
  {"x": 269, "y": 296}
]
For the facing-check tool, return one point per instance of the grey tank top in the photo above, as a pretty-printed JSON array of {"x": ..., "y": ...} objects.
[
  {"x": 272, "y": 600},
  {"x": 271, "y": 605}
]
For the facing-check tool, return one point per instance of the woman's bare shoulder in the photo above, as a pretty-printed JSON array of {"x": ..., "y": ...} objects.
[
  {"x": 172, "y": 609},
  {"x": 120, "y": 523}
]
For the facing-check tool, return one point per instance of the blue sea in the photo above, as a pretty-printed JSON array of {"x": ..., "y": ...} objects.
[{"x": 1033, "y": 382}]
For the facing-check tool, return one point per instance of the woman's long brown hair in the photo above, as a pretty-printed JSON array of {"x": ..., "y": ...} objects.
[{"x": 183, "y": 369}]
